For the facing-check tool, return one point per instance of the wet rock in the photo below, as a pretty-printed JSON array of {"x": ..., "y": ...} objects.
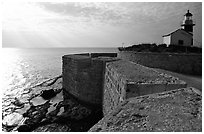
[
  {"x": 33, "y": 106},
  {"x": 24, "y": 128},
  {"x": 49, "y": 112},
  {"x": 60, "y": 111},
  {"x": 38, "y": 101},
  {"x": 24, "y": 109},
  {"x": 12, "y": 119},
  {"x": 18, "y": 103},
  {"x": 74, "y": 111},
  {"x": 68, "y": 110},
  {"x": 39, "y": 115},
  {"x": 36, "y": 113},
  {"x": 53, "y": 128},
  {"x": 48, "y": 94}
]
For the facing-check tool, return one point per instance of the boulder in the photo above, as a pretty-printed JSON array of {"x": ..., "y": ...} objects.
[
  {"x": 12, "y": 119},
  {"x": 48, "y": 94},
  {"x": 36, "y": 114},
  {"x": 18, "y": 103},
  {"x": 24, "y": 128}
]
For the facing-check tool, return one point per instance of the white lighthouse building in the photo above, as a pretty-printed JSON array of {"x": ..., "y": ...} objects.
[{"x": 182, "y": 36}]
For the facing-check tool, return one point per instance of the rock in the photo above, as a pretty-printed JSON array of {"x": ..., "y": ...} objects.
[
  {"x": 18, "y": 103},
  {"x": 48, "y": 94},
  {"x": 75, "y": 113},
  {"x": 36, "y": 114},
  {"x": 12, "y": 119},
  {"x": 60, "y": 111},
  {"x": 24, "y": 109},
  {"x": 178, "y": 110},
  {"x": 24, "y": 128},
  {"x": 38, "y": 101},
  {"x": 53, "y": 128}
]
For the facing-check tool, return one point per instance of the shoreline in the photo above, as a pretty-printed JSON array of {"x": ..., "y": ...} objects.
[{"x": 54, "y": 114}]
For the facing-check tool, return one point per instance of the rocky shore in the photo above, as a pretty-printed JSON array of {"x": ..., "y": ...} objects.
[{"x": 42, "y": 108}]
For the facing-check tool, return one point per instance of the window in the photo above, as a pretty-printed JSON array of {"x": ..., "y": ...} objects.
[{"x": 180, "y": 42}]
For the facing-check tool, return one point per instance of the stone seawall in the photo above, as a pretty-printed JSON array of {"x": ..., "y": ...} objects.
[
  {"x": 181, "y": 63},
  {"x": 125, "y": 79},
  {"x": 106, "y": 81},
  {"x": 109, "y": 82},
  {"x": 83, "y": 75},
  {"x": 114, "y": 89}
]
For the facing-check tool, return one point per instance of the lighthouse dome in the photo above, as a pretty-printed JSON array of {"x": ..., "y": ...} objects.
[{"x": 188, "y": 14}]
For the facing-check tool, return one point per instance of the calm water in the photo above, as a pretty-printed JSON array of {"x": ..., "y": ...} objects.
[{"x": 23, "y": 68}]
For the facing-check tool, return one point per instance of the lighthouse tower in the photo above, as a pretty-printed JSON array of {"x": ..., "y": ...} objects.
[{"x": 188, "y": 24}]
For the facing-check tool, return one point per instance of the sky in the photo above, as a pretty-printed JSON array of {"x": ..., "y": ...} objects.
[{"x": 88, "y": 24}]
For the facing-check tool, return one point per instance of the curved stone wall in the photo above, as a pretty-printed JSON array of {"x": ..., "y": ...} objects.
[{"x": 83, "y": 75}]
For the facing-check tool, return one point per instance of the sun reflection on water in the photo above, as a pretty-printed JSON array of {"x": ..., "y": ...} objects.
[
  {"x": 13, "y": 80},
  {"x": 20, "y": 70},
  {"x": 9, "y": 61}
]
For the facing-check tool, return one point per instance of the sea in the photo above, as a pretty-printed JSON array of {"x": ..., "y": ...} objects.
[{"x": 24, "y": 68}]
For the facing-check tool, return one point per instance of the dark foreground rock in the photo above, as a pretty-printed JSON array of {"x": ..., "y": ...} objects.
[
  {"x": 53, "y": 128},
  {"x": 24, "y": 128},
  {"x": 18, "y": 103},
  {"x": 45, "y": 110},
  {"x": 48, "y": 94},
  {"x": 173, "y": 111}
]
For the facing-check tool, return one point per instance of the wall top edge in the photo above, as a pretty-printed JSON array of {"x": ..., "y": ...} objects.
[{"x": 156, "y": 53}]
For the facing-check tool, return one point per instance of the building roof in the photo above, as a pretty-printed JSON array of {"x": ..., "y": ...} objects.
[{"x": 176, "y": 31}]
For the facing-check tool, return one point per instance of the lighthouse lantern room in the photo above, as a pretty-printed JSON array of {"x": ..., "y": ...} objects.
[{"x": 188, "y": 24}]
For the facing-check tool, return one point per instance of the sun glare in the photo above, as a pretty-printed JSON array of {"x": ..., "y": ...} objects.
[{"x": 24, "y": 16}]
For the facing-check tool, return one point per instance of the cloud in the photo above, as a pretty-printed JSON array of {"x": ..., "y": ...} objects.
[
  {"x": 104, "y": 13},
  {"x": 92, "y": 12},
  {"x": 119, "y": 13},
  {"x": 94, "y": 23}
]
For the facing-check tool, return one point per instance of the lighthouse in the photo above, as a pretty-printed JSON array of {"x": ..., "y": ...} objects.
[
  {"x": 188, "y": 24},
  {"x": 182, "y": 36}
]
